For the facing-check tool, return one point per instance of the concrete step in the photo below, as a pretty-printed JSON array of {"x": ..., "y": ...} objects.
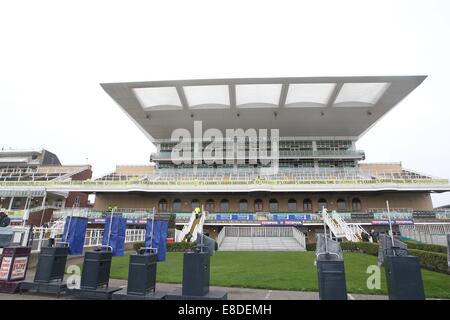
[{"x": 260, "y": 244}]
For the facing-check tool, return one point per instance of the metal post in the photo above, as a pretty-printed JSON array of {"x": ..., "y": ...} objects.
[
  {"x": 27, "y": 210},
  {"x": 201, "y": 231},
  {"x": 390, "y": 222},
  {"x": 10, "y": 203},
  {"x": 68, "y": 226},
  {"x": 110, "y": 226},
  {"x": 325, "y": 228},
  {"x": 153, "y": 227},
  {"x": 43, "y": 207}
]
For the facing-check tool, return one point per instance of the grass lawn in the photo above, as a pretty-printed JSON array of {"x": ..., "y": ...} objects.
[{"x": 282, "y": 271}]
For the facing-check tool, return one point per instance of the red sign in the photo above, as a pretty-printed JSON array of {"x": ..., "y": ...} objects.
[
  {"x": 19, "y": 268},
  {"x": 5, "y": 267}
]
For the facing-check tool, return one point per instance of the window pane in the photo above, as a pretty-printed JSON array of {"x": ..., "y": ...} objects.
[
  {"x": 360, "y": 94},
  {"x": 273, "y": 205},
  {"x": 307, "y": 205},
  {"x": 176, "y": 205},
  {"x": 341, "y": 204},
  {"x": 257, "y": 95},
  {"x": 243, "y": 205},
  {"x": 207, "y": 97},
  {"x": 224, "y": 206},
  {"x": 150, "y": 98},
  {"x": 309, "y": 94}
]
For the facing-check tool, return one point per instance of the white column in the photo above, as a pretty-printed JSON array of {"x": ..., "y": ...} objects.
[{"x": 10, "y": 203}]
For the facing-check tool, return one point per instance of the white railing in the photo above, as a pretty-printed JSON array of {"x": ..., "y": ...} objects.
[
  {"x": 258, "y": 232},
  {"x": 429, "y": 233},
  {"x": 221, "y": 237},
  {"x": 93, "y": 237},
  {"x": 299, "y": 236},
  {"x": 353, "y": 231},
  {"x": 134, "y": 235},
  {"x": 199, "y": 227},
  {"x": 186, "y": 228},
  {"x": 333, "y": 225},
  {"x": 340, "y": 228}
]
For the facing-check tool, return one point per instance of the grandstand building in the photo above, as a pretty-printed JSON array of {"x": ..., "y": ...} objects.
[
  {"x": 318, "y": 123},
  {"x": 22, "y": 171}
]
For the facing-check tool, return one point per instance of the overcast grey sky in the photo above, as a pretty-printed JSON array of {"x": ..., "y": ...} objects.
[{"x": 54, "y": 54}]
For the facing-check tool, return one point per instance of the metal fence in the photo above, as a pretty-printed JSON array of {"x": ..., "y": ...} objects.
[
  {"x": 427, "y": 233},
  {"x": 258, "y": 232},
  {"x": 93, "y": 237}
]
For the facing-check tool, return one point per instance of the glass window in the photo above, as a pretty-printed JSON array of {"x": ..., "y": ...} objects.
[
  {"x": 162, "y": 205},
  {"x": 322, "y": 204},
  {"x": 224, "y": 205},
  {"x": 341, "y": 205},
  {"x": 273, "y": 205},
  {"x": 195, "y": 204},
  {"x": 307, "y": 205},
  {"x": 309, "y": 94},
  {"x": 257, "y": 95},
  {"x": 243, "y": 205},
  {"x": 292, "y": 205},
  {"x": 360, "y": 94},
  {"x": 258, "y": 205},
  {"x": 215, "y": 96},
  {"x": 176, "y": 205},
  {"x": 210, "y": 205},
  {"x": 356, "y": 204},
  {"x": 152, "y": 98},
  {"x": 16, "y": 204},
  {"x": 77, "y": 201}
]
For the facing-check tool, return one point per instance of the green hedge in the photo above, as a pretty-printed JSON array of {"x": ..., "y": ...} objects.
[
  {"x": 426, "y": 247},
  {"x": 431, "y": 260},
  {"x": 366, "y": 247},
  {"x": 171, "y": 247},
  {"x": 434, "y": 261}
]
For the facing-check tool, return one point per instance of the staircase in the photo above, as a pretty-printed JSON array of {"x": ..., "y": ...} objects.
[
  {"x": 190, "y": 230},
  {"x": 341, "y": 229},
  {"x": 261, "y": 239}
]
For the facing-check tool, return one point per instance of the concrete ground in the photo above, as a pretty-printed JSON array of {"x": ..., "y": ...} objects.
[{"x": 233, "y": 293}]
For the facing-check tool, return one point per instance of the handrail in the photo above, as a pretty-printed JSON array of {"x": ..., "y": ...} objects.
[
  {"x": 299, "y": 236},
  {"x": 221, "y": 236}
]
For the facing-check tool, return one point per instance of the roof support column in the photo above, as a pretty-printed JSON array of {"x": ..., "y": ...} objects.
[{"x": 10, "y": 203}]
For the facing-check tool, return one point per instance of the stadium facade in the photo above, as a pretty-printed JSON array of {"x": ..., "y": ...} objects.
[
  {"x": 22, "y": 174},
  {"x": 317, "y": 122}
]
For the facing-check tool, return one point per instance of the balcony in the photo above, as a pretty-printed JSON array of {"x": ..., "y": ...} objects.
[{"x": 285, "y": 154}]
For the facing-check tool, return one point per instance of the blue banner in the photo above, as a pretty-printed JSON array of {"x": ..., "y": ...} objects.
[
  {"x": 160, "y": 228},
  {"x": 74, "y": 233},
  {"x": 117, "y": 236}
]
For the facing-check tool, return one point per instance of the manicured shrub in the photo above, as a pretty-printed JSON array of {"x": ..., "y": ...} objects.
[
  {"x": 426, "y": 247},
  {"x": 171, "y": 247},
  {"x": 180, "y": 246},
  {"x": 433, "y": 261},
  {"x": 138, "y": 245}
]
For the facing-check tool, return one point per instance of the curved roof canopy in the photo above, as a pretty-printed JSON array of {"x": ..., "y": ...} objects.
[{"x": 318, "y": 106}]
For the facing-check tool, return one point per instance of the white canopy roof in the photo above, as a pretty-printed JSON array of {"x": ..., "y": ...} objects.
[{"x": 323, "y": 106}]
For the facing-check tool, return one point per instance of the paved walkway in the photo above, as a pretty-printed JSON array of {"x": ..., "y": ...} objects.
[{"x": 233, "y": 293}]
